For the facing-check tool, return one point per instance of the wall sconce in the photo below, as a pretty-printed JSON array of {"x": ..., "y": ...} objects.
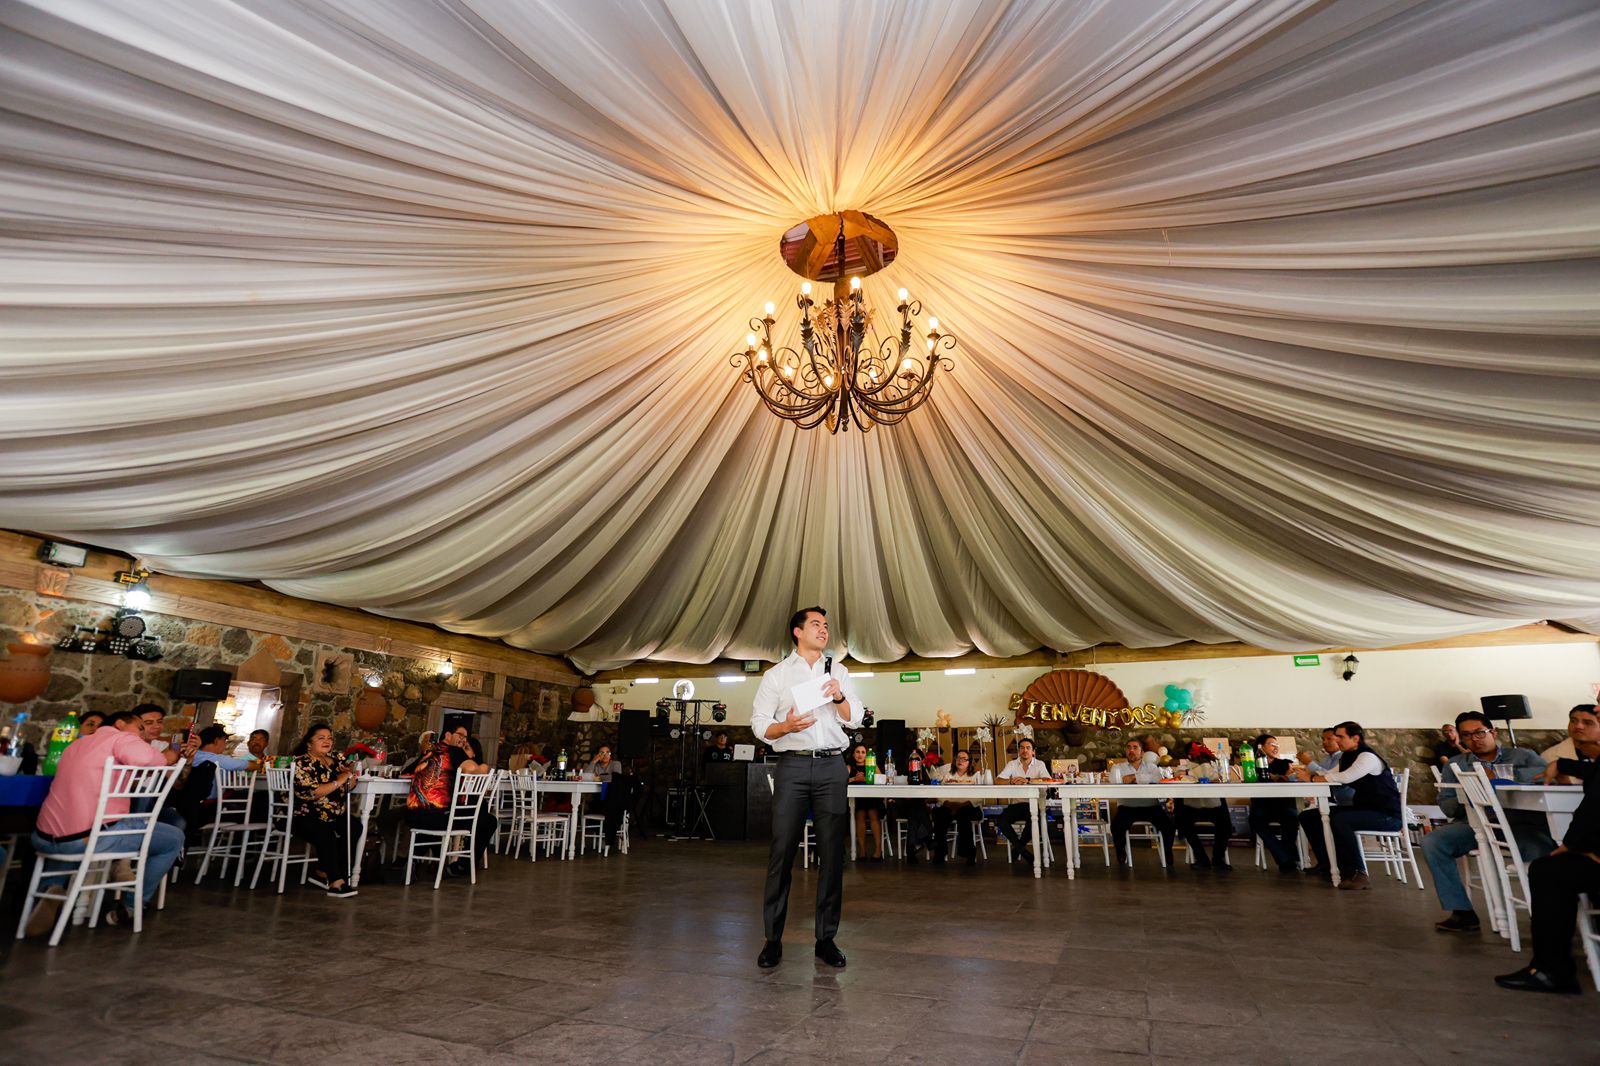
[
  {"x": 447, "y": 667},
  {"x": 1351, "y": 663},
  {"x": 135, "y": 590}
]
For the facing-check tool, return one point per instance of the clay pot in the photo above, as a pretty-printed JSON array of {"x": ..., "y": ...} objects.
[
  {"x": 25, "y": 674},
  {"x": 583, "y": 700},
  {"x": 372, "y": 707}
]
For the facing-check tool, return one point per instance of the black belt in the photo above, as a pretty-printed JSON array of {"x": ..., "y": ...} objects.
[{"x": 814, "y": 753}]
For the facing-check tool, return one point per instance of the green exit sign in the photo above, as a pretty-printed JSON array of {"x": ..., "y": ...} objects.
[
  {"x": 910, "y": 675},
  {"x": 1308, "y": 660}
]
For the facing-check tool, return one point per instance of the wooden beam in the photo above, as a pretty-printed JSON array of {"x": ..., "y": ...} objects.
[
  {"x": 261, "y": 609},
  {"x": 1104, "y": 654}
]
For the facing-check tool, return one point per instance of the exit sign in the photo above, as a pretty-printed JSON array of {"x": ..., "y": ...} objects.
[
  {"x": 910, "y": 675},
  {"x": 1308, "y": 660}
]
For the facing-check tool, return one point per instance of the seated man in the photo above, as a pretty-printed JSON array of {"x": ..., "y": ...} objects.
[
  {"x": 1142, "y": 769},
  {"x": 1555, "y": 882},
  {"x": 603, "y": 765},
  {"x": 433, "y": 789},
  {"x": 719, "y": 751},
  {"x": 1273, "y": 819},
  {"x": 256, "y": 745},
  {"x": 1024, "y": 769},
  {"x": 1329, "y": 760},
  {"x": 1375, "y": 804},
  {"x": 1445, "y": 845},
  {"x": 67, "y": 816},
  {"x": 1582, "y": 743},
  {"x": 1447, "y": 747}
]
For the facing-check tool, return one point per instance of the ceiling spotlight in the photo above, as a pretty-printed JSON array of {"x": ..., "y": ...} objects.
[
  {"x": 661, "y": 705},
  {"x": 719, "y": 712},
  {"x": 866, "y": 718}
]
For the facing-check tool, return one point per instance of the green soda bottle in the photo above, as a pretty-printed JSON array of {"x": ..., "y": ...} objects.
[
  {"x": 870, "y": 774},
  {"x": 65, "y": 732},
  {"x": 1247, "y": 763}
]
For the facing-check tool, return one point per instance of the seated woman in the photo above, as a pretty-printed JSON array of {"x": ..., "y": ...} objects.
[
  {"x": 962, "y": 813},
  {"x": 869, "y": 812},
  {"x": 433, "y": 787},
  {"x": 320, "y": 783}
]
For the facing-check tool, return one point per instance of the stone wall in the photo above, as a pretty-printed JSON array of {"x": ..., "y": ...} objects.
[{"x": 104, "y": 682}]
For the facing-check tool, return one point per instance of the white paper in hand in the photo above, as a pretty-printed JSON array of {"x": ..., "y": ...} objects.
[{"x": 808, "y": 696}]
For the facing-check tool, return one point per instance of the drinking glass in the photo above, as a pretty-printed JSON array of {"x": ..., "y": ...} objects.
[{"x": 1504, "y": 771}]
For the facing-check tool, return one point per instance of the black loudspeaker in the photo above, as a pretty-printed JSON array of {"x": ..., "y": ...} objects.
[
  {"x": 660, "y": 722},
  {"x": 892, "y": 737},
  {"x": 1506, "y": 708},
  {"x": 633, "y": 734},
  {"x": 201, "y": 684}
]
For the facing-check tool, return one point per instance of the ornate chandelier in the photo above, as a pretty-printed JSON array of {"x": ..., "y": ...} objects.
[{"x": 843, "y": 371}]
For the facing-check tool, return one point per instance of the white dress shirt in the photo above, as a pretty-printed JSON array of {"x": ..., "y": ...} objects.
[
  {"x": 774, "y": 700},
  {"x": 1366, "y": 763},
  {"x": 1016, "y": 771}
]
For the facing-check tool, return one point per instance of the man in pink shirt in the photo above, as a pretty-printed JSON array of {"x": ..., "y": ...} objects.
[{"x": 67, "y": 816}]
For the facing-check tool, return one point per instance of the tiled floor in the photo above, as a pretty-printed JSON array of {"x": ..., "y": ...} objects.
[{"x": 650, "y": 958}]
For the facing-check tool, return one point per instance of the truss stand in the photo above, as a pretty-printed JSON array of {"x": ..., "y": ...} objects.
[{"x": 688, "y": 816}]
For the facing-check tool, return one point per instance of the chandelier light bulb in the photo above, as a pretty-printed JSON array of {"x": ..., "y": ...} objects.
[
  {"x": 805, "y": 288},
  {"x": 771, "y": 307},
  {"x": 855, "y": 284},
  {"x": 933, "y": 323},
  {"x": 828, "y": 381},
  {"x": 761, "y": 356},
  {"x": 788, "y": 371},
  {"x": 749, "y": 340},
  {"x": 930, "y": 345},
  {"x": 904, "y": 295}
]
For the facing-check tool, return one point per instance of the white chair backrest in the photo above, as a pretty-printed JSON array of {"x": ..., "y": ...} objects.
[
  {"x": 1475, "y": 783},
  {"x": 280, "y": 794},
  {"x": 469, "y": 792},
  {"x": 1403, "y": 783},
  {"x": 1434, "y": 770},
  {"x": 123, "y": 782},
  {"x": 236, "y": 792}
]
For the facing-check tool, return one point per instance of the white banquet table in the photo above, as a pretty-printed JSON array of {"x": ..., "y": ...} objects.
[
  {"x": 1029, "y": 794},
  {"x": 578, "y": 791},
  {"x": 368, "y": 790},
  {"x": 1558, "y": 802},
  {"x": 1319, "y": 792}
]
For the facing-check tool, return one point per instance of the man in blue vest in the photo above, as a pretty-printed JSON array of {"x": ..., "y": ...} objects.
[
  {"x": 1445, "y": 845},
  {"x": 1374, "y": 805}
]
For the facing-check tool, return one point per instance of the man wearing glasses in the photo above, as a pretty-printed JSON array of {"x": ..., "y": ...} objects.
[{"x": 1445, "y": 845}]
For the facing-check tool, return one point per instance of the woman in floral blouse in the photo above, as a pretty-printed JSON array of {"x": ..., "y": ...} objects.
[{"x": 320, "y": 783}]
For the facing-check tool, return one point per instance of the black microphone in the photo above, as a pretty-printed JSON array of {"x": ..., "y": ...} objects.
[{"x": 827, "y": 665}]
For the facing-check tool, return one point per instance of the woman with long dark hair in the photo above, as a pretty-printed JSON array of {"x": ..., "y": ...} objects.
[
  {"x": 321, "y": 780},
  {"x": 869, "y": 812}
]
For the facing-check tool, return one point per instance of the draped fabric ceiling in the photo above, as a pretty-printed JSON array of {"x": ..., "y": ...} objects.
[{"x": 1278, "y": 320}]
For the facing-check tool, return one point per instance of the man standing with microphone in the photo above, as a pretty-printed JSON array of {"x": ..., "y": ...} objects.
[{"x": 810, "y": 778}]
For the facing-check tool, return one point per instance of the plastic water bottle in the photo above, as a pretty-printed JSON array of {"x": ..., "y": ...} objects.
[
  {"x": 65, "y": 732},
  {"x": 888, "y": 765}
]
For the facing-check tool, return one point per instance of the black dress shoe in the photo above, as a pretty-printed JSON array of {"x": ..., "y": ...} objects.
[
  {"x": 771, "y": 954},
  {"x": 1528, "y": 979},
  {"x": 1319, "y": 871},
  {"x": 828, "y": 952},
  {"x": 1459, "y": 923}
]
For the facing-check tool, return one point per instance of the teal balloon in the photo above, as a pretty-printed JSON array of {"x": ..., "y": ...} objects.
[{"x": 1172, "y": 692}]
